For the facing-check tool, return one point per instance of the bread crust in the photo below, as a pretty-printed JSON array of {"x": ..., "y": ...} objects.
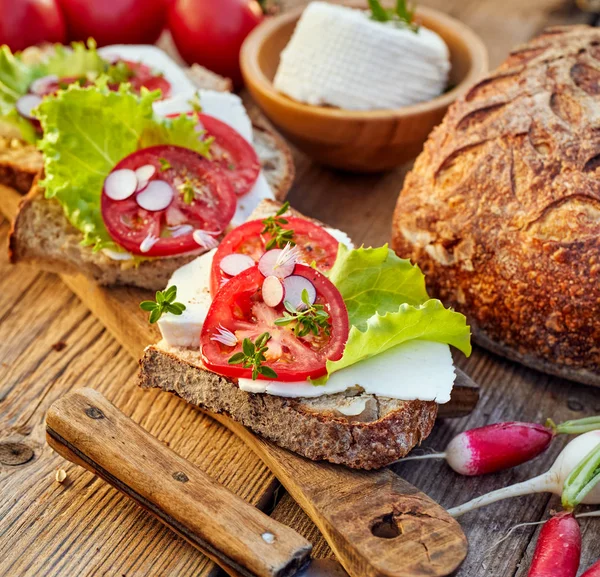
[
  {"x": 502, "y": 208},
  {"x": 316, "y": 431}
]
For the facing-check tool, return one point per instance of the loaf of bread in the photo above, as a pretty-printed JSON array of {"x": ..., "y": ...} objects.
[{"x": 502, "y": 208}]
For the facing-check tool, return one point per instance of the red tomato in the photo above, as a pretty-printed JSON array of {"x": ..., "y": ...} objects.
[
  {"x": 27, "y": 22},
  {"x": 239, "y": 308},
  {"x": 143, "y": 76},
  {"x": 173, "y": 227},
  {"x": 115, "y": 21},
  {"x": 211, "y": 32},
  {"x": 314, "y": 241},
  {"x": 231, "y": 151}
]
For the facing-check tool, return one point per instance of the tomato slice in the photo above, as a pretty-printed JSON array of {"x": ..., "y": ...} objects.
[
  {"x": 239, "y": 308},
  {"x": 314, "y": 242},
  {"x": 143, "y": 76},
  {"x": 203, "y": 200},
  {"x": 231, "y": 151}
]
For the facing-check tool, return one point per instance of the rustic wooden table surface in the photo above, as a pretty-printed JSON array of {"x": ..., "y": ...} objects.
[{"x": 50, "y": 344}]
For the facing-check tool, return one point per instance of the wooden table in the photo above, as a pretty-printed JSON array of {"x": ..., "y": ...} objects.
[{"x": 50, "y": 343}]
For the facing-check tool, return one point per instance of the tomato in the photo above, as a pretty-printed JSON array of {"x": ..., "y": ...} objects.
[
  {"x": 239, "y": 308},
  {"x": 231, "y": 151},
  {"x": 143, "y": 76},
  {"x": 115, "y": 21},
  {"x": 28, "y": 22},
  {"x": 211, "y": 33},
  {"x": 170, "y": 230},
  {"x": 315, "y": 243}
]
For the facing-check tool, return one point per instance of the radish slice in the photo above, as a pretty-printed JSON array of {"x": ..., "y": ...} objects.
[
  {"x": 234, "y": 264},
  {"x": 145, "y": 173},
  {"x": 279, "y": 262},
  {"x": 41, "y": 85},
  {"x": 120, "y": 184},
  {"x": 26, "y": 104},
  {"x": 272, "y": 291},
  {"x": 156, "y": 196},
  {"x": 293, "y": 287}
]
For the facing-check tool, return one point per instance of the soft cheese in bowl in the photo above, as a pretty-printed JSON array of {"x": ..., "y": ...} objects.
[{"x": 360, "y": 60}]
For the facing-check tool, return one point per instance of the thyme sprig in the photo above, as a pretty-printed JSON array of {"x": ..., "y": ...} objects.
[
  {"x": 274, "y": 226},
  {"x": 252, "y": 356},
  {"x": 165, "y": 303},
  {"x": 401, "y": 14},
  {"x": 311, "y": 318}
]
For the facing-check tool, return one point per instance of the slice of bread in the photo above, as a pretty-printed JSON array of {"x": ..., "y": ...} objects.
[{"x": 330, "y": 427}]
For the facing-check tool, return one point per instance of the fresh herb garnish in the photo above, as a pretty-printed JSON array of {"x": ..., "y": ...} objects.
[
  {"x": 401, "y": 15},
  {"x": 165, "y": 303},
  {"x": 164, "y": 164},
  {"x": 253, "y": 357},
  {"x": 194, "y": 102},
  {"x": 119, "y": 72},
  {"x": 188, "y": 191},
  {"x": 273, "y": 225},
  {"x": 309, "y": 319}
]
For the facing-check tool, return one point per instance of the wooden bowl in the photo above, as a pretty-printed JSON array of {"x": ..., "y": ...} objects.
[{"x": 361, "y": 141}]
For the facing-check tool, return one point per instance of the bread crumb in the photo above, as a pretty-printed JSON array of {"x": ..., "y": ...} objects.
[{"x": 60, "y": 476}]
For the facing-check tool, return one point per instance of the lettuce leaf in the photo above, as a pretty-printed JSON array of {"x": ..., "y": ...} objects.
[
  {"x": 87, "y": 131},
  {"x": 78, "y": 60},
  {"x": 375, "y": 280}
]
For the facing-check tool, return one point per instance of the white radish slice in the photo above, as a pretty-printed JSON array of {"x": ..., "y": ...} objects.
[
  {"x": 293, "y": 287},
  {"x": 120, "y": 184},
  {"x": 272, "y": 291},
  {"x": 26, "y": 104},
  {"x": 270, "y": 265},
  {"x": 40, "y": 86},
  {"x": 145, "y": 172},
  {"x": 156, "y": 196},
  {"x": 234, "y": 264}
]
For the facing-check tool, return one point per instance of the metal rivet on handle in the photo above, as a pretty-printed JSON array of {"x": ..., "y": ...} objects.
[
  {"x": 94, "y": 413},
  {"x": 181, "y": 477}
]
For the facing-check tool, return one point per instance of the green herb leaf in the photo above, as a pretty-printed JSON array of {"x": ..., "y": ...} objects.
[
  {"x": 253, "y": 356},
  {"x": 164, "y": 164},
  {"x": 378, "y": 13},
  {"x": 164, "y": 304},
  {"x": 237, "y": 359},
  {"x": 311, "y": 319},
  {"x": 274, "y": 227}
]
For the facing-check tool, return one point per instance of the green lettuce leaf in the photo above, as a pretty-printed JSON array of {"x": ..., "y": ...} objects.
[
  {"x": 87, "y": 131},
  {"x": 429, "y": 321},
  {"x": 375, "y": 280},
  {"x": 79, "y": 60}
]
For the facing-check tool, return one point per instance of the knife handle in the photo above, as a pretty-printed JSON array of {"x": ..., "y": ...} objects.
[{"x": 88, "y": 430}]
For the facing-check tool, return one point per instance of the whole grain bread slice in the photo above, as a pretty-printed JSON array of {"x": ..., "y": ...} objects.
[{"x": 353, "y": 428}]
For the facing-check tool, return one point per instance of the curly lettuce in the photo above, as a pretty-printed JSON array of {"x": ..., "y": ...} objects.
[{"x": 87, "y": 131}]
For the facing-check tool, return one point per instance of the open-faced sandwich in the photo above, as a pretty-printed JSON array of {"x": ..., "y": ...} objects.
[
  {"x": 134, "y": 187},
  {"x": 333, "y": 352}
]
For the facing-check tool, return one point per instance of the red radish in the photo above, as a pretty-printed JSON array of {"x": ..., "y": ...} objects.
[
  {"x": 144, "y": 174},
  {"x": 503, "y": 445},
  {"x": 554, "y": 480},
  {"x": 272, "y": 290},
  {"x": 26, "y": 104},
  {"x": 120, "y": 184},
  {"x": 593, "y": 571},
  {"x": 236, "y": 263},
  {"x": 42, "y": 85},
  {"x": 279, "y": 262},
  {"x": 294, "y": 286},
  {"x": 558, "y": 549},
  {"x": 156, "y": 196}
]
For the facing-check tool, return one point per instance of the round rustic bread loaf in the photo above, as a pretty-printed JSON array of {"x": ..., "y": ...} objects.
[{"x": 502, "y": 207}]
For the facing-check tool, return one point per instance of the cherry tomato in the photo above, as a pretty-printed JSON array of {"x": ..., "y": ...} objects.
[
  {"x": 202, "y": 200},
  {"x": 115, "y": 21},
  {"x": 211, "y": 33},
  {"x": 239, "y": 308},
  {"x": 314, "y": 242},
  {"x": 27, "y": 22}
]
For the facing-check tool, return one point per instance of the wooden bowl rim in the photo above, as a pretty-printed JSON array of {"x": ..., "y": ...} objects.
[{"x": 254, "y": 75}]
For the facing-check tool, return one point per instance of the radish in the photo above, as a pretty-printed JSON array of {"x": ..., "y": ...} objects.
[
  {"x": 26, "y": 104},
  {"x": 156, "y": 196},
  {"x": 294, "y": 286},
  {"x": 120, "y": 184},
  {"x": 573, "y": 475},
  {"x": 279, "y": 262},
  {"x": 503, "y": 445},
  {"x": 43, "y": 84},
  {"x": 272, "y": 291},
  {"x": 558, "y": 549},
  {"x": 593, "y": 571},
  {"x": 235, "y": 263}
]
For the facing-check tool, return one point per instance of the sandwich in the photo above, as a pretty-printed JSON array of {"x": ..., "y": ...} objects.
[
  {"x": 133, "y": 186},
  {"x": 330, "y": 351}
]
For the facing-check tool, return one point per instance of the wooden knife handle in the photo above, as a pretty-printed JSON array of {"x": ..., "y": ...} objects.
[{"x": 85, "y": 428}]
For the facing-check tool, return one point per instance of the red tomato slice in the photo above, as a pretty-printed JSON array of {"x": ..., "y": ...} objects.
[
  {"x": 239, "y": 308},
  {"x": 231, "y": 151},
  {"x": 315, "y": 243},
  {"x": 143, "y": 76},
  {"x": 211, "y": 208}
]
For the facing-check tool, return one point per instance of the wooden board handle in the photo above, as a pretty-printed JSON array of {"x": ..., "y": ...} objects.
[
  {"x": 376, "y": 523},
  {"x": 85, "y": 428}
]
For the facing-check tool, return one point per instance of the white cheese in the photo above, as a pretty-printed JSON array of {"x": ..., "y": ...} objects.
[
  {"x": 340, "y": 236},
  {"x": 338, "y": 56},
  {"x": 156, "y": 59},
  {"x": 192, "y": 282},
  {"x": 414, "y": 370}
]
